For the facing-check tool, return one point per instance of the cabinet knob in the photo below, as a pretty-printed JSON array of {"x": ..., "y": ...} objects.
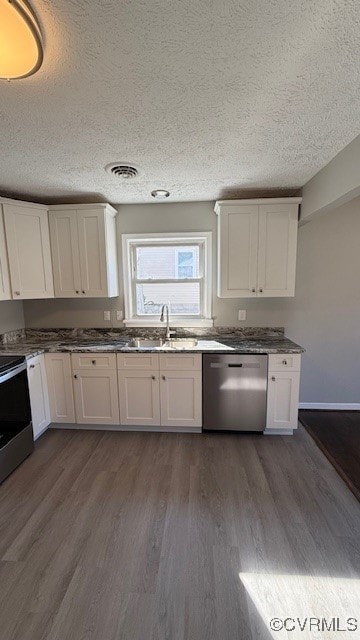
[
  {"x": 153, "y": 378},
  {"x": 273, "y": 379},
  {"x": 17, "y": 293},
  {"x": 77, "y": 291},
  {"x": 163, "y": 377},
  {"x": 83, "y": 291},
  {"x": 284, "y": 361},
  {"x": 32, "y": 366},
  {"x": 75, "y": 376},
  {"x": 260, "y": 290},
  {"x": 253, "y": 290},
  {"x": 93, "y": 361}
]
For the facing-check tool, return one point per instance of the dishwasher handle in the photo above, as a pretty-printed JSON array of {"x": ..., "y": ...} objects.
[{"x": 226, "y": 365}]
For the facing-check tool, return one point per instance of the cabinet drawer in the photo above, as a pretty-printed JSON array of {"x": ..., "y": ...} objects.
[
  {"x": 138, "y": 361},
  {"x": 93, "y": 361},
  {"x": 284, "y": 361},
  {"x": 180, "y": 362}
]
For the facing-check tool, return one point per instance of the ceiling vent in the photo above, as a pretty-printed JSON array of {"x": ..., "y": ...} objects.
[{"x": 124, "y": 171}]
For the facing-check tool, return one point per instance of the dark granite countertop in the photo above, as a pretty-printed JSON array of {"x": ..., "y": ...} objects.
[{"x": 266, "y": 344}]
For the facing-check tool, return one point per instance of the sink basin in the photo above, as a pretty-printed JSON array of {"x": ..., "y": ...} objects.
[
  {"x": 181, "y": 343},
  {"x": 145, "y": 343},
  {"x": 175, "y": 343}
]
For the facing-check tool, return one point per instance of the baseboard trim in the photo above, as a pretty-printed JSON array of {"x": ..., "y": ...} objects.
[
  {"x": 122, "y": 427},
  {"x": 331, "y": 406},
  {"x": 278, "y": 432}
]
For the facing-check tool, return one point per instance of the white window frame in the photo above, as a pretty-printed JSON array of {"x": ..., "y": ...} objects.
[{"x": 129, "y": 244}]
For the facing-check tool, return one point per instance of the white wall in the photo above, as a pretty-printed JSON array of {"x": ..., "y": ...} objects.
[
  {"x": 324, "y": 317},
  {"x": 11, "y": 316},
  {"x": 152, "y": 218}
]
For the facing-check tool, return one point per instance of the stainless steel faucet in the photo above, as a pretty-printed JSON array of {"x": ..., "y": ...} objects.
[{"x": 169, "y": 333}]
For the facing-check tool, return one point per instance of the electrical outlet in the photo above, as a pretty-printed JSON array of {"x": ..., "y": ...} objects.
[
  {"x": 107, "y": 317},
  {"x": 242, "y": 314},
  {"x": 119, "y": 314}
]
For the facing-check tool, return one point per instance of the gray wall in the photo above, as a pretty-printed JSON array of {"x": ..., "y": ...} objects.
[
  {"x": 337, "y": 183},
  {"x": 152, "y": 218},
  {"x": 324, "y": 317},
  {"x": 11, "y": 315}
]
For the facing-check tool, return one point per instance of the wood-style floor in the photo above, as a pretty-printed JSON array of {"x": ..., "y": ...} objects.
[
  {"x": 134, "y": 536},
  {"x": 337, "y": 433}
]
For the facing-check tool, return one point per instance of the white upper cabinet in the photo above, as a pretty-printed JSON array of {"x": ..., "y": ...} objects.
[
  {"x": 83, "y": 244},
  {"x": 257, "y": 241},
  {"x": 278, "y": 224},
  {"x": 28, "y": 243},
  {"x": 65, "y": 253},
  {"x": 5, "y": 288}
]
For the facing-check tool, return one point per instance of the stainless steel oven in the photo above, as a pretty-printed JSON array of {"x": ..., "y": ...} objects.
[{"x": 16, "y": 434}]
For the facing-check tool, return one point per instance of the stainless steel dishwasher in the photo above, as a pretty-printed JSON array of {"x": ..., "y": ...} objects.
[{"x": 234, "y": 392}]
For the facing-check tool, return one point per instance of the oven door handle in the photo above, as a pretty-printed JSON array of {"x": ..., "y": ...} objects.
[{"x": 11, "y": 373}]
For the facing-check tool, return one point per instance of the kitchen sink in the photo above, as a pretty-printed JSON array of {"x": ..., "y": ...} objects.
[
  {"x": 181, "y": 343},
  {"x": 145, "y": 343},
  {"x": 174, "y": 343}
]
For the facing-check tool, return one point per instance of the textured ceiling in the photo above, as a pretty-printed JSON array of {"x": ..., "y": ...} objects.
[{"x": 207, "y": 98}]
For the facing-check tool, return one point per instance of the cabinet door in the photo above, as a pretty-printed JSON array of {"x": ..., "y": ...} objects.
[
  {"x": 139, "y": 397},
  {"x": 237, "y": 252},
  {"x": 180, "y": 399},
  {"x": 278, "y": 225},
  {"x": 28, "y": 241},
  {"x": 5, "y": 289},
  {"x": 59, "y": 377},
  {"x": 91, "y": 232},
  {"x": 283, "y": 400},
  {"x": 96, "y": 397},
  {"x": 65, "y": 253},
  {"x": 39, "y": 398}
]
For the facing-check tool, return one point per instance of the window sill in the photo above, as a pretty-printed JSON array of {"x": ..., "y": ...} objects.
[{"x": 186, "y": 322}]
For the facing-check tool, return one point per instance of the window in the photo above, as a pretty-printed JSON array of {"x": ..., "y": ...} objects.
[{"x": 172, "y": 269}]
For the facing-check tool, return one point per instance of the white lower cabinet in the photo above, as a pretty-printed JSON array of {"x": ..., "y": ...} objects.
[
  {"x": 180, "y": 397},
  {"x": 283, "y": 393},
  {"x": 157, "y": 390},
  {"x": 139, "y": 397},
  {"x": 95, "y": 388},
  {"x": 61, "y": 397},
  {"x": 39, "y": 398}
]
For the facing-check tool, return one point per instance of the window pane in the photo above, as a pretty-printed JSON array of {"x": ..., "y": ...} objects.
[
  {"x": 167, "y": 262},
  {"x": 183, "y": 298}
]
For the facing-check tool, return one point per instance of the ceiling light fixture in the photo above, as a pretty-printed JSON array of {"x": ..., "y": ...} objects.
[
  {"x": 21, "y": 52},
  {"x": 160, "y": 194}
]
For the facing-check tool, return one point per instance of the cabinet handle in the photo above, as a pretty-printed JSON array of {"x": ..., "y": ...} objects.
[
  {"x": 273, "y": 379},
  {"x": 284, "y": 361},
  {"x": 93, "y": 361},
  {"x": 260, "y": 290},
  {"x": 163, "y": 377},
  {"x": 17, "y": 293},
  {"x": 153, "y": 378},
  {"x": 32, "y": 366},
  {"x": 75, "y": 376}
]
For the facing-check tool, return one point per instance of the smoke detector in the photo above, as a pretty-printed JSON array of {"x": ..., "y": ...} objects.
[{"x": 124, "y": 171}]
